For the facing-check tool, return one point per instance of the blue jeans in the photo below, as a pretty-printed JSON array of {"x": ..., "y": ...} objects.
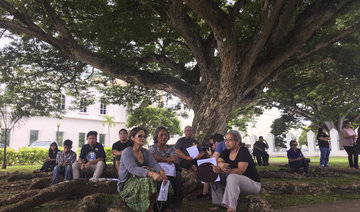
[
  {"x": 66, "y": 171},
  {"x": 324, "y": 157}
]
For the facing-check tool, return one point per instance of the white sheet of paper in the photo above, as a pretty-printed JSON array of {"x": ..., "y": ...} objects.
[
  {"x": 208, "y": 160},
  {"x": 169, "y": 169},
  {"x": 193, "y": 151},
  {"x": 164, "y": 190}
]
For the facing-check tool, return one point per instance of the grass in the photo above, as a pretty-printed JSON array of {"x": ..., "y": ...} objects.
[
  {"x": 27, "y": 168},
  {"x": 339, "y": 162}
]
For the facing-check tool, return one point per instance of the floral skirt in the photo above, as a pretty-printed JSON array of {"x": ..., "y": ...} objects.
[{"x": 137, "y": 191}]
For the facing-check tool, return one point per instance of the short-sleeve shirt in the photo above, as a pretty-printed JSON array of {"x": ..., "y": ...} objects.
[
  {"x": 184, "y": 143},
  {"x": 88, "y": 154},
  {"x": 291, "y": 154},
  {"x": 243, "y": 155},
  {"x": 347, "y": 141},
  {"x": 220, "y": 147},
  {"x": 261, "y": 145},
  {"x": 119, "y": 146},
  {"x": 168, "y": 152},
  {"x": 321, "y": 142}
]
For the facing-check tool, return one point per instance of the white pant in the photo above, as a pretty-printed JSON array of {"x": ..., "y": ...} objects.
[
  {"x": 235, "y": 185},
  {"x": 97, "y": 169}
]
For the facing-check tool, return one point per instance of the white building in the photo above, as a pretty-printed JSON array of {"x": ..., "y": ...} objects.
[{"x": 74, "y": 126}]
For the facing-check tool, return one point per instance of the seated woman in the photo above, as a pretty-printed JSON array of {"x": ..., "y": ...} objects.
[
  {"x": 50, "y": 162},
  {"x": 165, "y": 154},
  {"x": 296, "y": 158},
  {"x": 137, "y": 184},
  {"x": 241, "y": 175}
]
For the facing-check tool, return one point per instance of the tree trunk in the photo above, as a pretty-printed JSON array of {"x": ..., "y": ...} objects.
[
  {"x": 212, "y": 113},
  {"x": 4, "y": 159}
]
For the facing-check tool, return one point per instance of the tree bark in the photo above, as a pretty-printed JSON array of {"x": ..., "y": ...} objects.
[{"x": 69, "y": 189}]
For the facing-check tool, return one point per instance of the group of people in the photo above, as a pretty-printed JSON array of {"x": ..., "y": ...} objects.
[{"x": 142, "y": 172}]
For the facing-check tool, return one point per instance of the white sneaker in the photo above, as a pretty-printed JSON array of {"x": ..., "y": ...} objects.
[{"x": 94, "y": 180}]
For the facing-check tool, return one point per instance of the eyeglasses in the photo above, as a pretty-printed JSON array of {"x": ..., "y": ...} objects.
[
  {"x": 141, "y": 136},
  {"x": 294, "y": 145},
  {"x": 229, "y": 140}
]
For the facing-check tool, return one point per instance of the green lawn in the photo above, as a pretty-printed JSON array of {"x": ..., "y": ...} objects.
[
  {"x": 27, "y": 168},
  {"x": 340, "y": 162}
]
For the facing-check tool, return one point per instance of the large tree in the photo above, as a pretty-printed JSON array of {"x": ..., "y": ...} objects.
[
  {"x": 323, "y": 89},
  {"x": 214, "y": 55}
]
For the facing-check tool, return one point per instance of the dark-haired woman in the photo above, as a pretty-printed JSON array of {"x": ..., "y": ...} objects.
[
  {"x": 165, "y": 154},
  {"x": 324, "y": 146},
  {"x": 242, "y": 177},
  {"x": 348, "y": 137},
  {"x": 50, "y": 162},
  {"x": 139, "y": 174}
]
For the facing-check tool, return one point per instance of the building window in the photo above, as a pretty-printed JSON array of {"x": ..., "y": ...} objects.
[
  {"x": 81, "y": 139},
  {"x": 102, "y": 139},
  {"x": 34, "y": 135},
  {"x": 59, "y": 137},
  {"x": 62, "y": 102},
  {"x": 102, "y": 109},
  {"x": 2, "y": 137},
  {"x": 83, "y": 108}
]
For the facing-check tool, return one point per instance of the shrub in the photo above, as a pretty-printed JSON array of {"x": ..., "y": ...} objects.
[
  {"x": 11, "y": 156},
  {"x": 33, "y": 155}
]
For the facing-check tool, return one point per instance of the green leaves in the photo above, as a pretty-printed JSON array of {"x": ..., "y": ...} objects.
[{"x": 152, "y": 117}]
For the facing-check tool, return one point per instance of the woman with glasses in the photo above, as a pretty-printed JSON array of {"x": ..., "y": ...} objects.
[
  {"x": 139, "y": 174},
  {"x": 165, "y": 155},
  {"x": 296, "y": 158},
  {"x": 348, "y": 138},
  {"x": 236, "y": 163}
]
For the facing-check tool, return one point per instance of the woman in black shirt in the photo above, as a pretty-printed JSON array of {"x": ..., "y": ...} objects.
[
  {"x": 242, "y": 177},
  {"x": 323, "y": 140}
]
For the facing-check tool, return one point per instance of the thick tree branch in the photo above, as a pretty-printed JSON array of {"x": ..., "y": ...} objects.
[
  {"x": 117, "y": 69},
  {"x": 234, "y": 11},
  {"x": 283, "y": 22},
  {"x": 327, "y": 43},
  {"x": 269, "y": 16},
  {"x": 177, "y": 18}
]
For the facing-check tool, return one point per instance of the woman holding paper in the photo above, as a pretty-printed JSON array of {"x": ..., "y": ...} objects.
[
  {"x": 242, "y": 177},
  {"x": 137, "y": 180},
  {"x": 165, "y": 155},
  {"x": 348, "y": 138}
]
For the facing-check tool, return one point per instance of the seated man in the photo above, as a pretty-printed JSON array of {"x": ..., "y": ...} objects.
[
  {"x": 119, "y": 146},
  {"x": 91, "y": 159},
  {"x": 188, "y": 162},
  {"x": 260, "y": 153},
  {"x": 217, "y": 145},
  {"x": 64, "y": 160},
  {"x": 296, "y": 158}
]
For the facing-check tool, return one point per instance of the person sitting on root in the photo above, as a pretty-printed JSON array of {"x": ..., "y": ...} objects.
[
  {"x": 64, "y": 160},
  {"x": 140, "y": 176},
  {"x": 91, "y": 159},
  {"x": 50, "y": 162},
  {"x": 297, "y": 159},
  {"x": 189, "y": 163},
  {"x": 236, "y": 163},
  {"x": 165, "y": 154}
]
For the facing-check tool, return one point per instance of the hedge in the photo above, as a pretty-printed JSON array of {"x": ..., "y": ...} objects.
[{"x": 35, "y": 155}]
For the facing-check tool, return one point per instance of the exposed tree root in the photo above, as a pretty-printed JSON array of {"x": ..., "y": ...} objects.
[
  {"x": 70, "y": 189},
  {"x": 102, "y": 202},
  {"x": 18, "y": 197}
]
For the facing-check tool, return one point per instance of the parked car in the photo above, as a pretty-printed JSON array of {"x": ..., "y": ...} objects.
[{"x": 42, "y": 144}]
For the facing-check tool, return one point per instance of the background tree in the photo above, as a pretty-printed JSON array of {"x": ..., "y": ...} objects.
[
  {"x": 216, "y": 56},
  {"x": 32, "y": 84},
  {"x": 109, "y": 121},
  {"x": 281, "y": 126},
  {"x": 153, "y": 117},
  {"x": 324, "y": 89}
]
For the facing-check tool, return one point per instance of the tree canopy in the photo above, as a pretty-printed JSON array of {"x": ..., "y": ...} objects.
[
  {"x": 323, "y": 89},
  {"x": 215, "y": 55}
]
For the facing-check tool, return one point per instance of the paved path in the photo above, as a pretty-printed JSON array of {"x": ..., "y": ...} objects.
[{"x": 341, "y": 206}]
